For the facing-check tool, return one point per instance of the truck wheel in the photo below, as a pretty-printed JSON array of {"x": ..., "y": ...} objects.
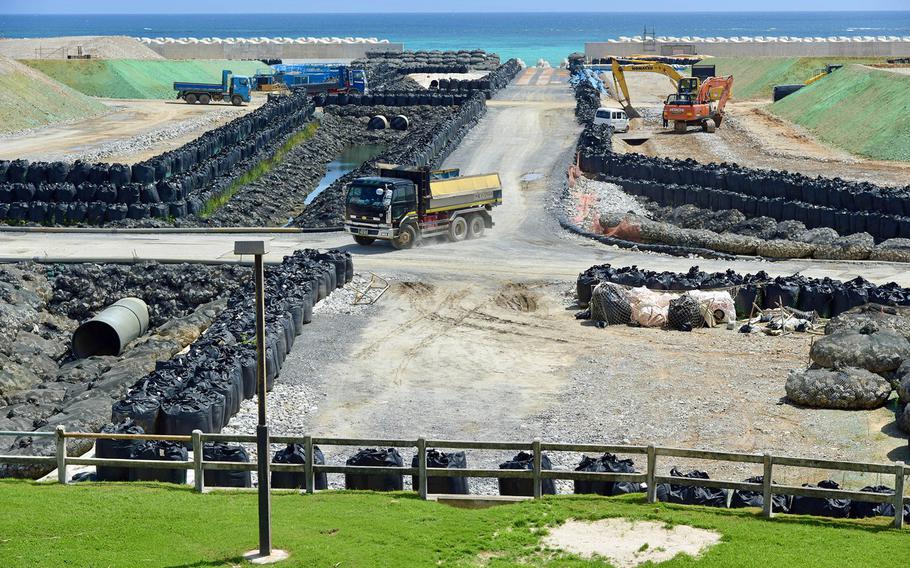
[
  {"x": 236, "y": 100},
  {"x": 364, "y": 241},
  {"x": 458, "y": 229},
  {"x": 407, "y": 236},
  {"x": 680, "y": 126},
  {"x": 190, "y": 99},
  {"x": 475, "y": 227},
  {"x": 709, "y": 126},
  {"x": 204, "y": 99}
]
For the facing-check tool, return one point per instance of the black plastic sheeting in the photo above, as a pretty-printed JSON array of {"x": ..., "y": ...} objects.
[
  {"x": 525, "y": 487},
  {"x": 607, "y": 463},
  {"x": 295, "y": 454},
  {"x": 161, "y": 450},
  {"x": 219, "y": 452},
  {"x": 443, "y": 485},
  {"x": 825, "y": 296},
  {"x": 203, "y": 388},
  {"x": 838, "y": 508},
  {"x": 691, "y": 495},
  {"x": 375, "y": 458},
  {"x": 173, "y": 184}
]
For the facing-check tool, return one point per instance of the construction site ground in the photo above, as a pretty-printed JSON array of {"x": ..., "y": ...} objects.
[
  {"x": 131, "y": 131},
  {"x": 478, "y": 340},
  {"x": 750, "y": 136}
]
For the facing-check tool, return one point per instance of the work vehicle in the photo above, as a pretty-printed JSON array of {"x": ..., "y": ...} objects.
[
  {"x": 321, "y": 78},
  {"x": 234, "y": 88},
  {"x": 403, "y": 204},
  {"x": 704, "y": 108},
  {"x": 782, "y": 91},
  {"x": 615, "y": 117},
  {"x": 619, "y": 77}
]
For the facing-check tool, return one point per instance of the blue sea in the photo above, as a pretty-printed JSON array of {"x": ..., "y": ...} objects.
[{"x": 530, "y": 36}]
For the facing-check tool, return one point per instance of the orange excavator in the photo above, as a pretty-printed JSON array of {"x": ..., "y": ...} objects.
[{"x": 698, "y": 104}]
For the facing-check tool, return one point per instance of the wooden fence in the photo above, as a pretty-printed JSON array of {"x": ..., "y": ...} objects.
[{"x": 898, "y": 469}]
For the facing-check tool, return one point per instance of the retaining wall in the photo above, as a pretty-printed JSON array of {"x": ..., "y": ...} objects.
[
  {"x": 753, "y": 49},
  {"x": 271, "y": 50}
]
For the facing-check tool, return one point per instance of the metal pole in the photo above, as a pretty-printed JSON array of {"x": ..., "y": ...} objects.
[{"x": 262, "y": 429}]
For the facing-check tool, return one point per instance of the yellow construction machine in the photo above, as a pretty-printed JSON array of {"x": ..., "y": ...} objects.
[{"x": 619, "y": 78}]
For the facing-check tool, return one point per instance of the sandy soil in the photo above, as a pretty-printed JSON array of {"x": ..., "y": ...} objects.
[
  {"x": 133, "y": 130},
  {"x": 750, "y": 136},
  {"x": 627, "y": 544}
]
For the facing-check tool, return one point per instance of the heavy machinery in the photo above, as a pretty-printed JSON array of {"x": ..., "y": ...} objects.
[
  {"x": 704, "y": 107},
  {"x": 321, "y": 78},
  {"x": 403, "y": 204},
  {"x": 781, "y": 91},
  {"x": 234, "y": 88},
  {"x": 619, "y": 77}
]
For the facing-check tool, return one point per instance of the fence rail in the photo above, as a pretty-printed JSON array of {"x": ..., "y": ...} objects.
[{"x": 649, "y": 477}]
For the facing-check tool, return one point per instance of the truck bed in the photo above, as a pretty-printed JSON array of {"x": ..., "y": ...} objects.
[
  {"x": 214, "y": 87},
  {"x": 465, "y": 191}
]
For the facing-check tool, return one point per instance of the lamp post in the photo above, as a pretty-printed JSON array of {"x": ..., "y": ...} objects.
[{"x": 265, "y": 554}]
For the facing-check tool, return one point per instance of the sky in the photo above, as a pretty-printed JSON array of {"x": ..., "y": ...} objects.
[{"x": 372, "y": 6}]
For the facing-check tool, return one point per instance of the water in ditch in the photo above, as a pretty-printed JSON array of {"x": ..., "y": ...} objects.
[{"x": 347, "y": 161}]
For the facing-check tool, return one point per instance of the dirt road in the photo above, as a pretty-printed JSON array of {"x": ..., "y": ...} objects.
[
  {"x": 750, "y": 136},
  {"x": 478, "y": 340},
  {"x": 133, "y": 130}
]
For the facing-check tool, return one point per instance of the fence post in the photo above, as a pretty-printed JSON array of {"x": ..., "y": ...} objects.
[
  {"x": 198, "y": 475},
  {"x": 898, "y": 495},
  {"x": 651, "y": 473},
  {"x": 767, "y": 501},
  {"x": 308, "y": 454},
  {"x": 61, "y": 455},
  {"x": 536, "y": 448},
  {"x": 422, "y": 467}
]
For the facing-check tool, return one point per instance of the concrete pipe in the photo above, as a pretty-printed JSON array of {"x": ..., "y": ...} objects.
[{"x": 110, "y": 331}]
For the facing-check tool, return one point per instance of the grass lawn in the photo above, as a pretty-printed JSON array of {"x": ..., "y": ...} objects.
[{"x": 158, "y": 525}]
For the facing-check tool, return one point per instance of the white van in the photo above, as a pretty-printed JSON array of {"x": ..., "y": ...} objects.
[{"x": 615, "y": 117}]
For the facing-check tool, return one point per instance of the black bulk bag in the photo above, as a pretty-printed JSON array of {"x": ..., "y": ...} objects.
[
  {"x": 863, "y": 509},
  {"x": 77, "y": 212},
  {"x": 190, "y": 411},
  {"x": 740, "y": 499},
  {"x": 846, "y": 296},
  {"x": 37, "y": 211},
  {"x": 138, "y": 211},
  {"x": 64, "y": 192},
  {"x": 148, "y": 193},
  {"x": 116, "y": 212},
  {"x": 684, "y": 314},
  {"x": 837, "y": 508},
  {"x": 607, "y": 463},
  {"x": 525, "y": 487},
  {"x": 85, "y": 192},
  {"x": 78, "y": 172},
  {"x": 221, "y": 452},
  {"x": 7, "y": 194},
  {"x": 295, "y": 454},
  {"x": 160, "y": 450},
  {"x": 746, "y": 296},
  {"x": 106, "y": 193},
  {"x": 4, "y": 165},
  {"x": 139, "y": 407},
  {"x": 159, "y": 210},
  {"x": 815, "y": 298},
  {"x": 781, "y": 292},
  {"x": 119, "y": 174},
  {"x": 37, "y": 173},
  {"x": 143, "y": 173},
  {"x": 443, "y": 485},
  {"x": 44, "y": 192},
  {"x": 691, "y": 495},
  {"x": 116, "y": 449},
  {"x": 128, "y": 194},
  {"x": 178, "y": 209},
  {"x": 57, "y": 172},
  {"x": 60, "y": 211},
  {"x": 98, "y": 174},
  {"x": 17, "y": 171},
  {"x": 24, "y": 192},
  {"x": 96, "y": 211},
  {"x": 375, "y": 458}
]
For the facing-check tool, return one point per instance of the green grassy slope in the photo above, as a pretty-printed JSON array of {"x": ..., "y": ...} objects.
[
  {"x": 755, "y": 77},
  {"x": 138, "y": 78},
  {"x": 149, "y": 525},
  {"x": 862, "y": 110},
  {"x": 29, "y": 99}
]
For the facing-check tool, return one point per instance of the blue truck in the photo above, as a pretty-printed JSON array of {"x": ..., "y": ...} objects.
[
  {"x": 321, "y": 78},
  {"x": 234, "y": 88}
]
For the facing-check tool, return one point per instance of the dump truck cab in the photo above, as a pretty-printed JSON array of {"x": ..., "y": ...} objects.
[{"x": 403, "y": 204}]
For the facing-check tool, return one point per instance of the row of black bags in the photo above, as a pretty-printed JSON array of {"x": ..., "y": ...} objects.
[
  {"x": 824, "y": 296},
  {"x": 203, "y": 388}
]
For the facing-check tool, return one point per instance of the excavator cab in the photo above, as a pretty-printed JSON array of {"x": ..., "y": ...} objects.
[{"x": 688, "y": 85}]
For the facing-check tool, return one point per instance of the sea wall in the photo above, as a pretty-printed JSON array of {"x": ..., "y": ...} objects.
[
  {"x": 268, "y": 48},
  {"x": 754, "y": 47}
]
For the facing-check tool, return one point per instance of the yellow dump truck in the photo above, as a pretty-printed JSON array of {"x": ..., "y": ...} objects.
[{"x": 403, "y": 204}]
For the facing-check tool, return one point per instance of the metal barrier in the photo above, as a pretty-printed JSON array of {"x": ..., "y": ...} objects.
[{"x": 536, "y": 474}]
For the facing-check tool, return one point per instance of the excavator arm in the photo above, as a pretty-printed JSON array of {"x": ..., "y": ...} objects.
[{"x": 619, "y": 78}]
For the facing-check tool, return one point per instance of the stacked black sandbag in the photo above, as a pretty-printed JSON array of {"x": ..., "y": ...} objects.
[
  {"x": 863, "y": 509},
  {"x": 162, "y": 450},
  {"x": 220, "y": 452},
  {"x": 443, "y": 485},
  {"x": 525, "y": 487},
  {"x": 370, "y": 457},
  {"x": 607, "y": 463},
  {"x": 838, "y": 508},
  {"x": 689, "y": 494},
  {"x": 779, "y": 503},
  {"x": 116, "y": 449},
  {"x": 295, "y": 454}
]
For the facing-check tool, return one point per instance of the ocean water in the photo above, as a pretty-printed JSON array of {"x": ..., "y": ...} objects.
[{"x": 530, "y": 36}]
